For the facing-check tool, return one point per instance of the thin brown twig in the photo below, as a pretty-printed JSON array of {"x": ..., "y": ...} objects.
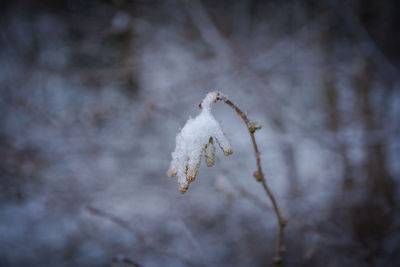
[
  {"x": 259, "y": 175},
  {"x": 125, "y": 260},
  {"x": 144, "y": 241}
]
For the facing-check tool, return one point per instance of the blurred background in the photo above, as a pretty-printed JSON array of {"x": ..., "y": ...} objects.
[{"x": 92, "y": 94}]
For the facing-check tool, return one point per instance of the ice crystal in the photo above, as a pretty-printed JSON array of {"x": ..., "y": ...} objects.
[{"x": 196, "y": 140}]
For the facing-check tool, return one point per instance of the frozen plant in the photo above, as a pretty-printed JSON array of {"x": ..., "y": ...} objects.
[{"x": 194, "y": 141}]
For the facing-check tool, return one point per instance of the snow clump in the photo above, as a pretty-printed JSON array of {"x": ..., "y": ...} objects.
[{"x": 195, "y": 140}]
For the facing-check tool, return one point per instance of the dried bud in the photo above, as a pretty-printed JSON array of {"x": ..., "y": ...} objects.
[
  {"x": 209, "y": 153},
  {"x": 171, "y": 172},
  {"x": 183, "y": 188}
]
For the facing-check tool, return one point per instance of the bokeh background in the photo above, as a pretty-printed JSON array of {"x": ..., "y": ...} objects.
[{"x": 94, "y": 92}]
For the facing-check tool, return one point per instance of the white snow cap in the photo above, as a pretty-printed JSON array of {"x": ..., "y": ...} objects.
[{"x": 195, "y": 140}]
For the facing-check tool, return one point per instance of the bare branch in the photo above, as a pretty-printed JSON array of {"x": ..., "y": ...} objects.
[{"x": 259, "y": 175}]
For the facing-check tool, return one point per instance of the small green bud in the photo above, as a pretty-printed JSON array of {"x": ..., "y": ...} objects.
[
  {"x": 258, "y": 176},
  {"x": 283, "y": 222},
  {"x": 253, "y": 127}
]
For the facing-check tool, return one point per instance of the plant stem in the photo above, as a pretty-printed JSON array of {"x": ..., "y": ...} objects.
[{"x": 259, "y": 175}]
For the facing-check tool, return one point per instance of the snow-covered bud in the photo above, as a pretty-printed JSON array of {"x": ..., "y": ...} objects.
[{"x": 194, "y": 140}]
